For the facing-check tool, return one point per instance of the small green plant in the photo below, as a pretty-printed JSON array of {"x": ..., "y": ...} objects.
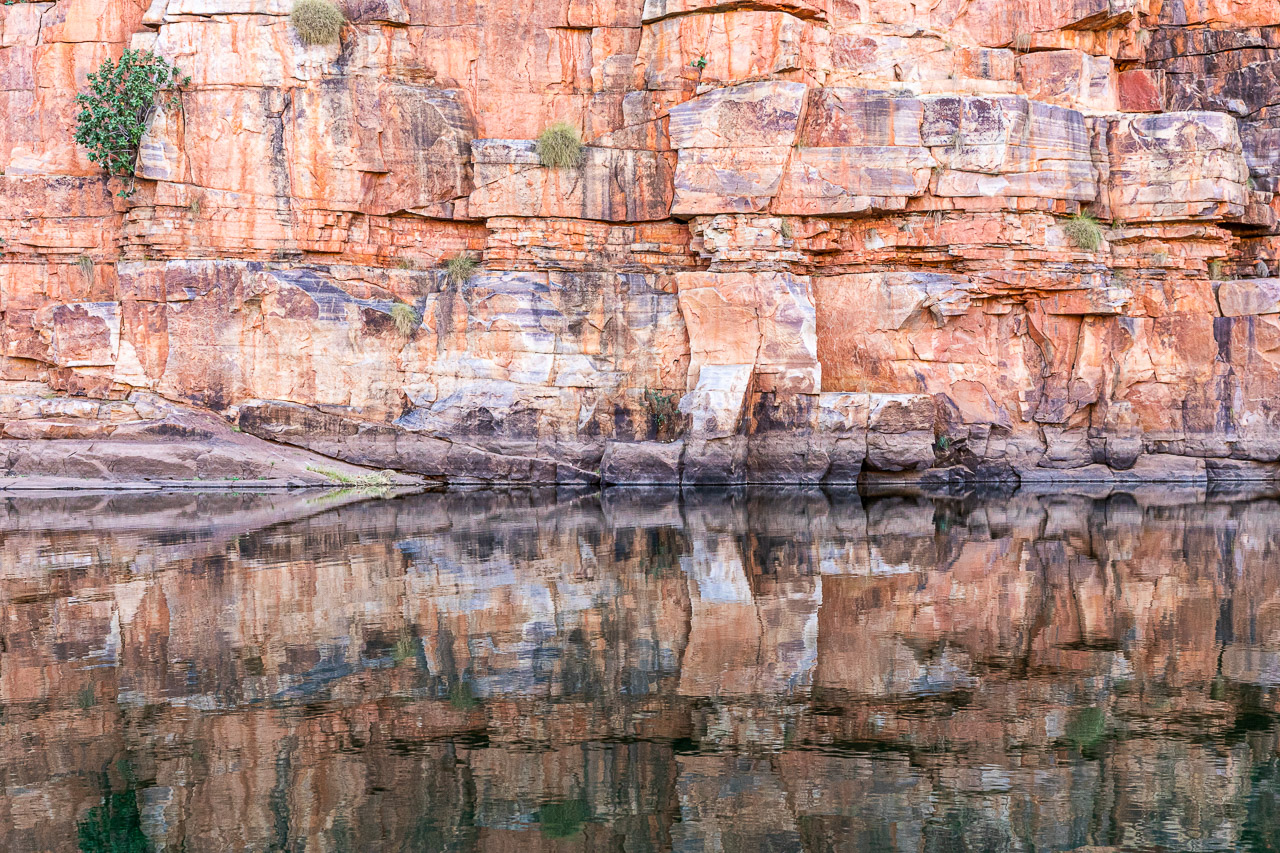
[
  {"x": 114, "y": 112},
  {"x": 563, "y": 818},
  {"x": 1218, "y": 269},
  {"x": 85, "y": 263},
  {"x": 786, "y": 230},
  {"x": 460, "y": 269},
  {"x": 406, "y": 648},
  {"x": 317, "y": 21},
  {"x": 406, "y": 319},
  {"x": 462, "y": 697},
  {"x": 1084, "y": 232},
  {"x": 86, "y": 697},
  {"x": 375, "y": 480},
  {"x": 663, "y": 409},
  {"x": 559, "y": 146},
  {"x": 700, "y": 63},
  {"x": 406, "y": 264},
  {"x": 194, "y": 208}
]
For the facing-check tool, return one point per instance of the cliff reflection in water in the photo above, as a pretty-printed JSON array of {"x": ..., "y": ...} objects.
[{"x": 629, "y": 672}]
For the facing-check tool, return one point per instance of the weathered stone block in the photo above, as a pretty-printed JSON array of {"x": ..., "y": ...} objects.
[
  {"x": 1069, "y": 78},
  {"x": 717, "y": 403},
  {"x": 611, "y": 185},
  {"x": 842, "y": 423},
  {"x": 727, "y": 180},
  {"x": 751, "y": 115},
  {"x": 901, "y": 413},
  {"x": 1249, "y": 296},
  {"x": 834, "y": 181},
  {"x": 904, "y": 451},
  {"x": 762, "y": 319},
  {"x": 1176, "y": 166},
  {"x": 642, "y": 462},
  {"x": 1140, "y": 90},
  {"x": 841, "y": 117}
]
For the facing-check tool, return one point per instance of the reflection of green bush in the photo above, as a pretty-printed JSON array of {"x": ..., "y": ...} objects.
[
  {"x": 563, "y": 818},
  {"x": 461, "y": 697},
  {"x": 406, "y": 647},
  {"x": 1087, "y": 727},
  {"x": 113, "y": 827}
]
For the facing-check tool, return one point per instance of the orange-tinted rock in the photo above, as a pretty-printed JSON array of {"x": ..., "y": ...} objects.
[
  {"x": 849, "y": 198},
  {"x": 1140, "y": 90},
  {"x": 1176, "y": 166}
]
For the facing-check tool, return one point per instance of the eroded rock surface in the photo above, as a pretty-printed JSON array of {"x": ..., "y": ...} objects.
[{"x": 1051, "y": 225}]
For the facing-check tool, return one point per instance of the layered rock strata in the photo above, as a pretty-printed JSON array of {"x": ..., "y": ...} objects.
[{"x": 809, "y": 241}]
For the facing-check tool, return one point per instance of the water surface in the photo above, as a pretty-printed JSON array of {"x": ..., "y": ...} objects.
[{"x": 628, "y": 672}]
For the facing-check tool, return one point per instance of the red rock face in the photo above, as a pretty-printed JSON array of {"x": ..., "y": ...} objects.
[{"x": 829, "y": 199}]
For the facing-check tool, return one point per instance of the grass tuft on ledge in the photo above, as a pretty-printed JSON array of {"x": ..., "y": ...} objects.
[
  {"x": 406, "y": 319},
  {"x": 317, "y": 21},
  {"x": 1084, "y": 232},
  {"x": 560, "y": 147},
  {"x": 457, "y": 271}
]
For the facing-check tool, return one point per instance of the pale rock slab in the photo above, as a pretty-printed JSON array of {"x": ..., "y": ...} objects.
[{"x": 1176, "y": 166}]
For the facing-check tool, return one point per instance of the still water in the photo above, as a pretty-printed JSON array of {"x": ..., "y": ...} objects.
[{"x": 637, "y": 671}]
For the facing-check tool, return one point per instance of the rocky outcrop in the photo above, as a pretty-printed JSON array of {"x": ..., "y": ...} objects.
[{"x": 1050, "y": 226}]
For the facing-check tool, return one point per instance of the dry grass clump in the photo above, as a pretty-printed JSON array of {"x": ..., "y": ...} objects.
[
  {"x": 458, "y": 270},
  {"x": 406, "y": 319},
  {"x": 1084, "y": 232},
  {"x": 317, "y": 21},
  {"x": 559, "y": 146}
]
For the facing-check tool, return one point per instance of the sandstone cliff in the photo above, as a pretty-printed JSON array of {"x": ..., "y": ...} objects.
[
  {"x": 781, "y": 671},
  {"x": 809, "y": 240}
]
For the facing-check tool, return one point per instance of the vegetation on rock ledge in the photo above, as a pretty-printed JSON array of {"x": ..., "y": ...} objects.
[
  {"x": 406, "y": 319},
  {"x": 114, "y": 113},
  {"x": 1084, "y": 232},
  {"x": 317, "y": 21},
  {"x": 559, "y": 146},
  {"x": 458, "y": 270}
]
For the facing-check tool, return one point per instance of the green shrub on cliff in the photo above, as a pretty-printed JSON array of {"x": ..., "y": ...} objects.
[
  {"x": 317, "y": 21},
  {"x": 458, "y": 270},
  {"x": 559, "y": 146},
  {"x": 406, "y": 319},
  {"x": 114, "y": 112},
  {"x": 1084, "y": 232}
]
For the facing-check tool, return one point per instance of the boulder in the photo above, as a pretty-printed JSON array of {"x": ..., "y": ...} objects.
[{"x": 641, "y": 462}]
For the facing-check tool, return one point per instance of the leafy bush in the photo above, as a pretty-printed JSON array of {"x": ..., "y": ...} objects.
[
  {"x": 1084, "y": 232},
  {"x": 663, "y": 410},
  {"x": 114, "y": 112},
  {"x": 317, "y": 21},
  {"x": 559, "y": 146},
  {"x": 458, "y": 270},
  {"x": 406, "y": 318}
]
